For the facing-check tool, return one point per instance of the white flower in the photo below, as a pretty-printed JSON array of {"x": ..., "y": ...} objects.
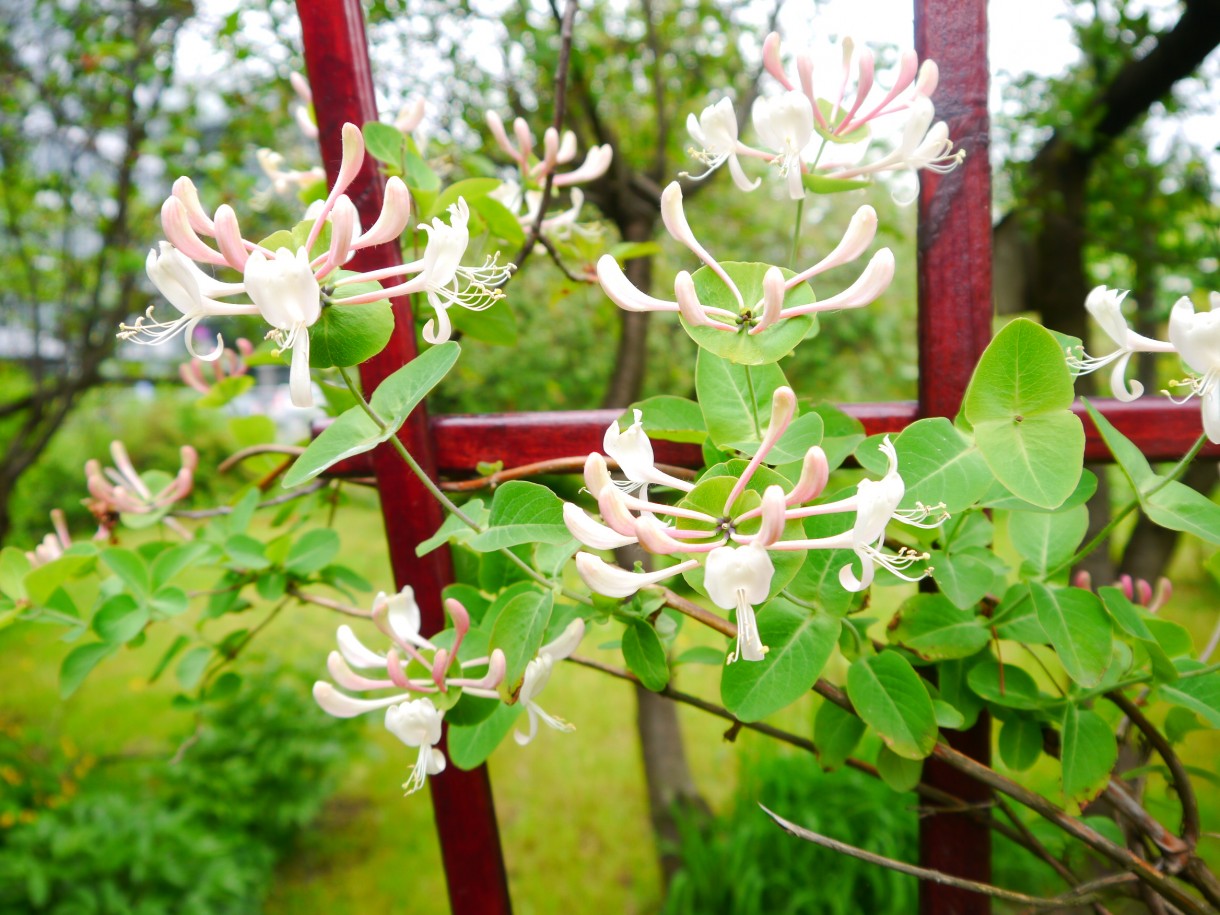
[
  {"x": 1196, "y": 336},
  {"x": 785, "y": 126},
  {"x": 715, "y": 130},
  {"x": 924, "y": 145},
  {"x": 418, "y": 724},
  {"x": 191, "y": 292},
  {"x": 289, "y": 299},
  {"x": 538, "y": 674},
  {"x": 1106, "y": 307},
  {"x": 632, "y": 450},
  {"x": 738, "y": 578}
]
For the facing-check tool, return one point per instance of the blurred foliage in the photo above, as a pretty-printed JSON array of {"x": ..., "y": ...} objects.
[{"x": 198, "y": 837}]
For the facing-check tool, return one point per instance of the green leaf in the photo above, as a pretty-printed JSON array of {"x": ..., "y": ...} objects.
[
  {"x": 645, "y": 655},
  {"x": 120, "y": 619},
  {"x": 1179, "y": 508},
  {"x": 1132, "y": 461},
  {"x": 817, "y": 581},
  {"x": 13, "y": 568},
  {"x": 245, "y": 552},
  {"x": 999, "y": 497},
  {"x": 354, "y": 432},
  {"x": 1088, "y": 754},
  {"x": 674, "y": 419},
  {"x": 930, "y": 626},
  {"x": 900, "y": 773},
  {"x": 630, "y": 250},
  {"x": 522, "y": 512},
  {"x": 840, "y": 433},
  {"x": 1078, "y": 628},
  {"x": 497, "y": 326},
  {"x": 176, "y": 559},
  {"x": 892, "y": 700},
  {"x": 79, "y": 662},
  {"x": 1129, "y": 620},
  {"x": 312, "y": 551},
  {"x": 191, "y": 667},
  {"x": 964, "y": 576},
  {"x": 469, "y": 746},
  {"x": 798, "y": 646},
  {"x": 1020, "y": 742},
  {"x": 802, "y": 434},
  {"x": 384, "y": 142},
  {"x": 701, "y": 654},
  {"x": 170, "y": 653},
  {"x": 735, "y": 399},
  {"x": 500, "y": 220},
  {"x": 1018, "y": 404},
  {"x": 518, "y": 632},
  {"x": 820, "y": 184},
  {"x": 349, "y": 334},
  {"x": 947, "y": 715},
  {"x": 939, "y": 466},
  {"x": 738, "y": 346},
  {"x": 454, "y": 529},
  {"x": 1009, "y": 686},
  {"x": 1199, "y": 694},
  {"x": 169, "y": 601},
  {"x": 130, "y": 568},
  {"x": 951, "y": 681},
  {"x": 470, "y": 188},
  {"x": 1048, "y": 539},
  {"x": 835, "y": 735}
]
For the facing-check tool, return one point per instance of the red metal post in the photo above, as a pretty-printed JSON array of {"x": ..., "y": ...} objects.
[
  {"x": 954, "y": 327},
  {"x": 336, "y": 56}
]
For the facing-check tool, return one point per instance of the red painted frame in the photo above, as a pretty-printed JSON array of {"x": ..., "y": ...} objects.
[{"x": 954, "y": 243}]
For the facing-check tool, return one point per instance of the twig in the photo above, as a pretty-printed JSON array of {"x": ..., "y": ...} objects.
[
  {"x": 555, "y": 465},
  {"x": 254, "y": 450},
  {"x": 1181, "y": 780},
  {"x": 1086, "y": 892},
  {"x": 277, "y": 500},
  {"x": 1074, "y": 827},
  {"x": 563, "y": 268},
  {"x": 328, "y": 603},
  {"x": 561, "y": 101},
  {"x": 695, "y": 612}
]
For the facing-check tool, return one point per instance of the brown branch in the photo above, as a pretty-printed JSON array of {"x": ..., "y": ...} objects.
[
  {"x": 328, "y": 603},
  {"x": 1079, "y": 895},
  {"x": 254, "y": 450},
  {"x": 561, "y": 96},
  {"x": 695, "y": 612},
  {"x": 661, "y": 155},
  {"x": 220, "y": 510}
]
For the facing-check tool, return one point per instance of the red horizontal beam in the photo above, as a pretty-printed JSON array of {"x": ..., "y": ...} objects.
[{"x": 1163, "y": 431}]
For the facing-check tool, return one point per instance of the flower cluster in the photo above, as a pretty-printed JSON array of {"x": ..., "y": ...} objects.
[
  {"x": 415, "y": 712},
  {"x": 289, "y": 288},
  {"x": 798, "y": 127},
  {"x": 1194, "y": 336},
  {"x": 750, "y": 316},
  {"x": 231, "y": 364},
  {"x": 738, "y": 567},
  {"x": 524, "y": 198}
]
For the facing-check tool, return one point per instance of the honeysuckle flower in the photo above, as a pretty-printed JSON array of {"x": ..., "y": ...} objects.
[
  {"x": 875, "y": 504},
  {"x": 632, "y": 451},
  {"x": 924, "y": 145},
  {"x": 737, "y": 578},
  {"x": 286, "y": 287},
  {"x": 410, "y": 715},
  {"x": 785, "y": 126},
  {"x": 287, "y": 180},
  {"x": 753, "y": 317},
  {"x": 53, "y": 544},
  {"x": 229, "y": 364},
  {"x": 538, "y": 674},
  {"x": 410, "y": 115},
  {"x": 303, "y": 113},
  {"x": 121, "y": 489},
  {"x": 715, "y": 132},
  {"x": 289, "y": 299},
  {"x": 191, "y": 292},
  {"x": 1196, "y": 337},
  {"x": 1105, "y": 305},
  {"x": 417, "y": 723},
  {"x": 556, "y": 150}
]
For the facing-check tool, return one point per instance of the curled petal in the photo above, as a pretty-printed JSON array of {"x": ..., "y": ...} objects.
[
  {"x": 349, "y": 679},
  {"x": 597, "y": 475},
  {"x": 615, "y": 582},
  {"x": 184, "y": 190},
  {"x": 597, "y": 163},
  {"x": 859, "y": 235},
  {"x": 654, "y": 538},
  {"x": 175, "y": 222},
  {"x": 773, "y": 505},
  {"x": 772, "y": 300},
  {"x": 689, "y": 306},
  {"x": 353, "y": 158},
  {"x": 772, "y": 62},
  {"x": 875, "y": 279},
  {"x": 623, "y": 293},
  {"x": 590, "y": 532},
  {"x": 496, "y": 125},
  {"x": 228, "y": 237},
  {"x": 341, "y": 705},
  {"x": 815, "y": 472},
  {"x": 525, "y": 137},
  {"x": 355, "y": 652},
  {"x": 674, "y": 217},
  {"x": 566, "y": 642}
]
